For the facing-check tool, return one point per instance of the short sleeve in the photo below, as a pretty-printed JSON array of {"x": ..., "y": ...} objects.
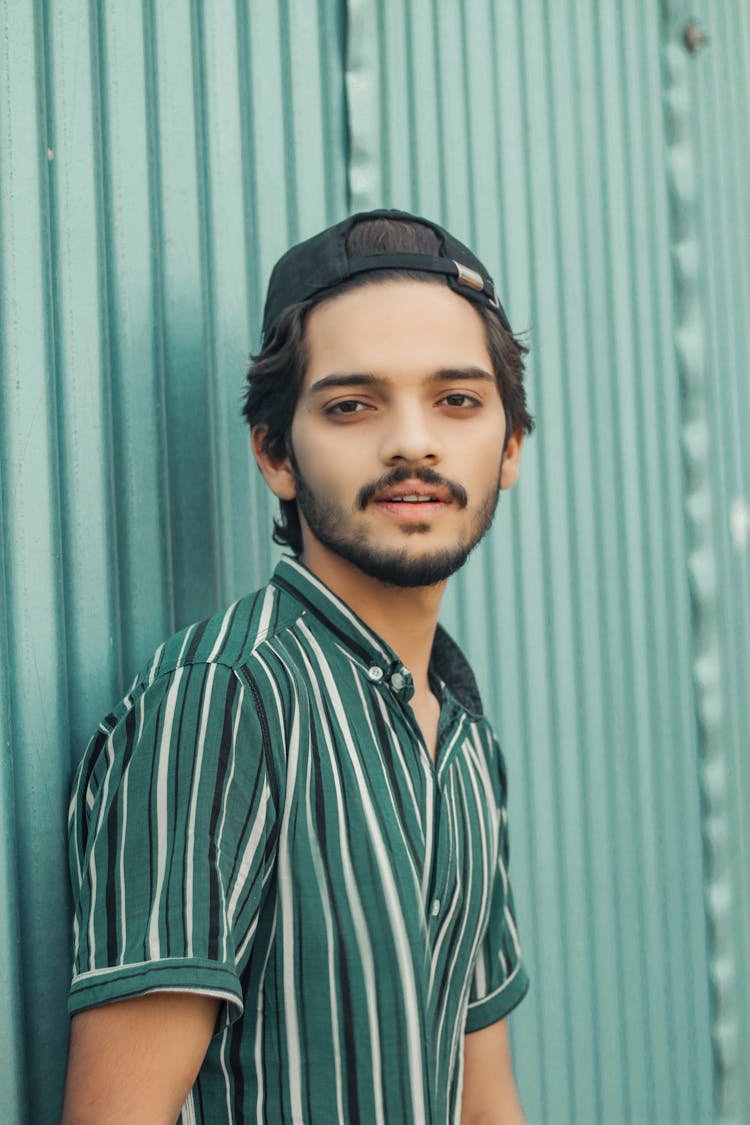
[
  {"x": 500, "y": 980},
  {"x": 171, "y": 831}
]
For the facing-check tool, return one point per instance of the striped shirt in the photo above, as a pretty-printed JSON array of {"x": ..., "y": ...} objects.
[{"x": 260, "y": 820}]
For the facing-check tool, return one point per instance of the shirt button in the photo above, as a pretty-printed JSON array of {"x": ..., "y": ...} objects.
[
  {"x": 435, "y": 908},
  {"x": 397, "y": 681},
  {"x": 375, "y": 673}
]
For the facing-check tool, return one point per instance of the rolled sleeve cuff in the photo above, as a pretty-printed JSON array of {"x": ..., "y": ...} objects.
[
  {"x": 122, "y": 982},
  {"x": 498, "y": 1004}
]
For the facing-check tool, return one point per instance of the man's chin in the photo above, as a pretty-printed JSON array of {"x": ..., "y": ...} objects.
[
  {"x": 412, "y": 555},
  {"x": 404, "y": 567}
]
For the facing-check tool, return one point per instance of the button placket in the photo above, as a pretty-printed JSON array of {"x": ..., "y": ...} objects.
[
  {"x": 437, "y": 874},
  {"x": 400, "y": 682}
]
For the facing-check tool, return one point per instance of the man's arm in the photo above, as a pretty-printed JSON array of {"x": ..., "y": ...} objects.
[
  {"x": 136, "y": 1060},
  {"x": 490, "y": 1096}
]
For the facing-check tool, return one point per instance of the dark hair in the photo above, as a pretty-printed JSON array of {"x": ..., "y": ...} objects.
[{"x": 276, "y": 373}]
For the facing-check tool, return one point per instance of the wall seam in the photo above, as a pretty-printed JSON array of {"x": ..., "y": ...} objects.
[
  {"x": 361, "y": 100},
  {"x": 690, "y": 355}
]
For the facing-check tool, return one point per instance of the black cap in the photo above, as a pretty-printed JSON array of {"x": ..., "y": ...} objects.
[{"x": 321, "y": 263}]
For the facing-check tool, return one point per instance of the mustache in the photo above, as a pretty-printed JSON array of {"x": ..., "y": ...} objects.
[{"x": 397, "y": 476}]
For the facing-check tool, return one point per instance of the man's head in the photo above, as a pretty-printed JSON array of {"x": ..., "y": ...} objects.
[{"x": 387, "y": 365}]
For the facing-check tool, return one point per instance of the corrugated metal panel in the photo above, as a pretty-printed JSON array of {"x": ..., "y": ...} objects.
[
  {"x": 720, "y": 116},
  {"x": 155, "y": 161},
  {"x": 553, "y": 163}
]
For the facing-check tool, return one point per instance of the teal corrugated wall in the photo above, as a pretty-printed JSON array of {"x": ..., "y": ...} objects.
[{"x": 154, "y": 161}]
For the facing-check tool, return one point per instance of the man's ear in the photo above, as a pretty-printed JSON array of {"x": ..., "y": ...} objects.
[
  {"x": 276, "y": 468},
  {"x": 512, "y": 459}
]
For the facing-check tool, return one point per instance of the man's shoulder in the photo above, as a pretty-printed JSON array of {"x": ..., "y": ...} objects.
[{"x": 228, "y": 637}]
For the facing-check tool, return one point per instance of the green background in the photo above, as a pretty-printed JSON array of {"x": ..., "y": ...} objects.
[{"x": 155, "y": 159}]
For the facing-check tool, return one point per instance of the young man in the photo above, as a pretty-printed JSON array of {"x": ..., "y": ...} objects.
[{"x": 288, "y": 843}]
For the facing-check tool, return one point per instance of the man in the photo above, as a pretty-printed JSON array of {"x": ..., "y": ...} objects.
[{"x": 288, "y": 842}]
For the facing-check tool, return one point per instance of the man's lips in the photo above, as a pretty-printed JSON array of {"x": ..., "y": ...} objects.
[
  {"x": 422, "y": 490},
  {"x": 413, "y": 492},
  {"x": 402, "y": 511},
  {"x": 413, "y": 500}
]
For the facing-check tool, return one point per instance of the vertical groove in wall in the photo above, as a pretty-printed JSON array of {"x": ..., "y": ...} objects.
[
  {"x": 707, "y": 674},
  {"x": 290, "y": 156},
  {"x": 187, "y": 396},
  {"x": 225, "y": 226},
  {"x": 205, "y": 249},
  {"x": 153, "y": 209},
  {"x": 13, "y": 1073},
  {"x": 261, "y": 223},
  {"x": 108, "y": 355}
]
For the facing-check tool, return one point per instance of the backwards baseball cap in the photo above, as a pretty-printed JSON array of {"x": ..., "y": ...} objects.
[{"x": 322, "y": 263}]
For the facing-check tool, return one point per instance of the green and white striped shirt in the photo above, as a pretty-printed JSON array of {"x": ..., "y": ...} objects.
[{"x": 259, "y": 819}]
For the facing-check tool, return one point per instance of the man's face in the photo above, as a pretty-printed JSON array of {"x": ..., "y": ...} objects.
[{"x": 398, "y": 433}]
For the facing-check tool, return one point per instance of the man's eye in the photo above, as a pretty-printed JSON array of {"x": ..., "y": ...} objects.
[
  {"x": 348, "y": 406},
  {"x": 460, "y": 400}
]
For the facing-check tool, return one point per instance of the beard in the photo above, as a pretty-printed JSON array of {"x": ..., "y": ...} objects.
[{"x": 394, "y": 566}]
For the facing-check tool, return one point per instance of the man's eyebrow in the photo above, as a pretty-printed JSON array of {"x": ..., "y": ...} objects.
[
  {"x": 353, "y": 380},
  {"x": 449, "y": 374},
  {"x": 444, "y": 375}
]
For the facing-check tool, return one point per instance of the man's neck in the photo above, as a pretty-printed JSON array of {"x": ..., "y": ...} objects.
[{"x": 405, "y": 617}]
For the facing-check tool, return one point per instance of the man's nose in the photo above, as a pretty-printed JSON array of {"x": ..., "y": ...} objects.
[{"x": 409, "y": 437}]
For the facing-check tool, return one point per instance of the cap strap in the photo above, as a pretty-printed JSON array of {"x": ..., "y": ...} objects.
[{"x": 427, "y": 263}]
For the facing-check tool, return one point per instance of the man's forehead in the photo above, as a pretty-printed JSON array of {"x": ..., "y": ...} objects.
[
  {"x": 388, "y": 322},
  {"x": 375, "y": 298}
]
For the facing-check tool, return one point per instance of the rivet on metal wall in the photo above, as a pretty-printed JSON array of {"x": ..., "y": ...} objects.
[{"x": 694, "y": 36}]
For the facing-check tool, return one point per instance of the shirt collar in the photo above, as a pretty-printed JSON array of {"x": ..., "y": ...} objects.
[{"x": 447, "y": 661}]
